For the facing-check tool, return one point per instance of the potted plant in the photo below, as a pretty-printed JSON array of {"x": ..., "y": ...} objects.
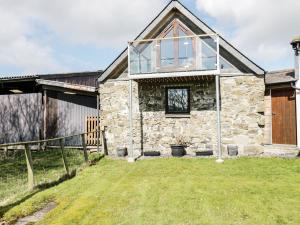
[
  {"x": 178, "y": 149},
  {"x": 121, "y": 152}
]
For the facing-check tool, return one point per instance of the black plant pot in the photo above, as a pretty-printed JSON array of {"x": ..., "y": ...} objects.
[
  {"x": 121, "y": 152},
  {"x": 205, "y": 153},
  {"x": 151, "y": 153},
  {"x": 178, "y": 150}
]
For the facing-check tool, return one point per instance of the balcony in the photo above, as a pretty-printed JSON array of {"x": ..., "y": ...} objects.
[{"x": 174, "y": 56}]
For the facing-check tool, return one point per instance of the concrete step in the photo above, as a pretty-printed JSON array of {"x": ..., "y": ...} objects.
[{"x": 290, "y": 151}]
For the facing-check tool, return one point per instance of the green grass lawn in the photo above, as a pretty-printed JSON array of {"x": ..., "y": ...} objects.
[
  {"x": 48, "y": 167},
  {"x": 175, "y": 191}
]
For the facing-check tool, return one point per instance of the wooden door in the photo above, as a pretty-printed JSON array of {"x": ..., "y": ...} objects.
[{"x": 284, "y": 116}]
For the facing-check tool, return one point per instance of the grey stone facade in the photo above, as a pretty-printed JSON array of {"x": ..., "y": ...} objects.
[
  {"x": 242, "y": 115},
  {"x": 161, "y": 130}
]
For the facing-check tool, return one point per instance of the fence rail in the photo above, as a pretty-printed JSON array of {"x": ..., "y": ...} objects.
[{"x": 29, "y": 161}]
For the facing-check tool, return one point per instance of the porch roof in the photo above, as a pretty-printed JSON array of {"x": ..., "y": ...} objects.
[
  {"x": 62, "y": 86},
  {"x": 280, "y": 76}
]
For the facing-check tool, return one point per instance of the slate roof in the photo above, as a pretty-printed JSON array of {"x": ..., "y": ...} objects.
[{"x": 280, "y": 76}]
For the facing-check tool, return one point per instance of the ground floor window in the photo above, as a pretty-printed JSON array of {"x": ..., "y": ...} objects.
[{"x": 177, "y": 100}]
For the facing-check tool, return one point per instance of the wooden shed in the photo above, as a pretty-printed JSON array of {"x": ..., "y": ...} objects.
[{"x": 45, "y": 106}]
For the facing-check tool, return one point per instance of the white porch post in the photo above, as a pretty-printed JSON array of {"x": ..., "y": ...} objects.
[
  {"x": 219, "y": 160},
  {"x": 296, "y": 46},
  {"x": 130, "y": 153}
]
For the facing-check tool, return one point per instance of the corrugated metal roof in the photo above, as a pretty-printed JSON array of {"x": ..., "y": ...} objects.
[
  {"x": 16, "y": 77},
  {"x": 280, "y": 76},
  {"x": 32, "y": 76}
]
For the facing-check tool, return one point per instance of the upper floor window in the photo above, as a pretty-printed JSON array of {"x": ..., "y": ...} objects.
[
  {"x": 175, "y": 49},
  {"x": 176, "y": 52}
]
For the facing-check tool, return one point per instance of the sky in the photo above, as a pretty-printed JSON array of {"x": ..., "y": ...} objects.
[{"x": 40, "y": 36}]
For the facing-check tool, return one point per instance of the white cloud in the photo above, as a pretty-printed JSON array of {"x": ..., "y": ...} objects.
[
  {"x": 97, "y": 22},
  {"x": 261, "y": 28},
  {"x": 19, "y": 51},
  {"x": 105, "y": 23}
]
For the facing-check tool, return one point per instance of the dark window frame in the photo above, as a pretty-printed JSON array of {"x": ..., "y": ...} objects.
[{"x": 167, "y": 111}]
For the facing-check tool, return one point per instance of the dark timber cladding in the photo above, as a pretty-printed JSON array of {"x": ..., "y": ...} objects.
[
  {"x": 67, "y": 114},
  {"x": 284, "y": 116}
]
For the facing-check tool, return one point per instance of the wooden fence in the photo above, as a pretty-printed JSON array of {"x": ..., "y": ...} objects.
[
  {"x": 29, "y": 162},
  {"x": 91, "y": 126}
]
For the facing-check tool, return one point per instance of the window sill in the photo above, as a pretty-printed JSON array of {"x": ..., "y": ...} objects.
[{"x": 177, "y": 116}]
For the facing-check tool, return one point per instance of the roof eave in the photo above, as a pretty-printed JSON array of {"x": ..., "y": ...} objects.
[{"x": 66, "y": 86}]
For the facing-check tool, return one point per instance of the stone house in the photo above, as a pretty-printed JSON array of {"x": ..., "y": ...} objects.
[
  {"x": 177, "y": 82},
  {"x": 180, "y": 80}
]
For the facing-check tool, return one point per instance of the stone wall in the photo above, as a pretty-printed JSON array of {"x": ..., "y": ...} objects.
[
  {"x": 114, "y": 113},
  {"x": 268, "y": 118},
  {"x": 242, "y": 115},
  {"x": 114, "y": 101},
  {"x": 160, "y": 130}
]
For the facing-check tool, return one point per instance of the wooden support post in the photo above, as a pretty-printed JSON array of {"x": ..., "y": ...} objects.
[
  {"x": 62, "y": 148},
  {"x": 29, "y": 164},
  {"x": 86, "y": 157},
  {"x": 98, "y": 122},
  {"x": 6, "y": 152},
  {"x": 104, "y": 142},
  {"x": 45, "y": 106}
]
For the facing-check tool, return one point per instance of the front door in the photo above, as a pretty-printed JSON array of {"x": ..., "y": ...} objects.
[{"x": 284, "y": 116}]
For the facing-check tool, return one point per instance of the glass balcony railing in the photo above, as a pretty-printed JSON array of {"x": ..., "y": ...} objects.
[{"x": 174, "y": 54}]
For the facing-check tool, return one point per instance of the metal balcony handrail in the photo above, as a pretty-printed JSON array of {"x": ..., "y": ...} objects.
[{"x": 171, "y": 38}]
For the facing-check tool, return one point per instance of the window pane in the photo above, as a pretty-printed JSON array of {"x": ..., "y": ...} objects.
[
  {"x": 145, "y": 58},
  {"x": 178, "y": 100},
  {"x": 185, "y": 57},
  {"x": 167, "y": 50},
  {"x": 224, "y": 64},
  {"x": 209, "y": 54}
]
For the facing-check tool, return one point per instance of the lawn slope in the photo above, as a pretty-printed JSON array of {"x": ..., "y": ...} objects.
[{"x": 175, "y": 191}]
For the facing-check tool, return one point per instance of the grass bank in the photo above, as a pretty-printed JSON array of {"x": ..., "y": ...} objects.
[{"x": 175, "y": 191}]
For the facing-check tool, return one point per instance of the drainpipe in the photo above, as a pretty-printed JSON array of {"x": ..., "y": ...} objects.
[{"x": 296, "y": 46}]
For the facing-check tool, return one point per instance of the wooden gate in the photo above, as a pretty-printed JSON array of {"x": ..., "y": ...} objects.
[
  {"x": 91, "y": 126},
  {"x": 284, "y": 116}
]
